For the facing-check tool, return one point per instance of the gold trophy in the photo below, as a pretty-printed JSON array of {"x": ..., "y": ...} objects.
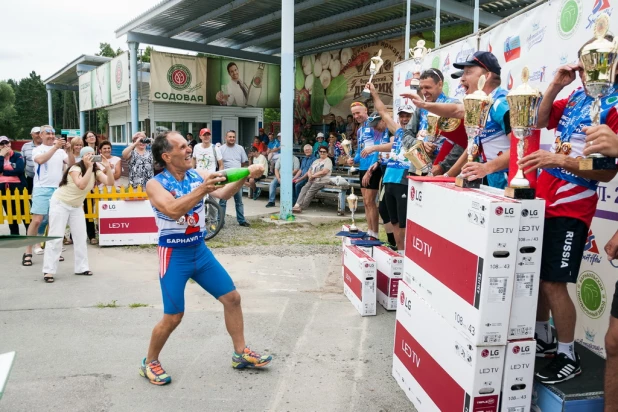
[
  {"x": 376, "y": 64},
  {"x": 353, "y": 204},
  {"x": 524, "y": 104},
  {"x": 416, "y": 154},
  {"x": 418, "y": 55},
  {"x": 476, "y": 108},
  {"x": 599, "y": 61},
  {"x": 347, "y": 148}
]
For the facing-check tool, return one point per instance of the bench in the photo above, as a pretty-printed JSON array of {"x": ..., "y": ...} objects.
[{"x": 328, "y": 192}]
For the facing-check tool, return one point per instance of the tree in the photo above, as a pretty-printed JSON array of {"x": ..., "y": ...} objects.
[
  {"x": 8, "y": 115},
  {"x": 30, "y": 101},
  {"x": 145, "y": 58},
  {"x": 271, "y": 115},
  {"x": 105, "y": 50}
]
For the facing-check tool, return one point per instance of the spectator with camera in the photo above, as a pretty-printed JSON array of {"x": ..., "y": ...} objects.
[
  {"x": 12, "y": 177},
  {"x": 141, "y": 167}
]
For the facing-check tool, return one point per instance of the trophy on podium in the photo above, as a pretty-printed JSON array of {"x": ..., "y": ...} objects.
[
  {"x": 476, "y": 108},
  {"x": 347, "y": 148},
  {"x": 376, "y": 64},
  {"x": 353, "y": 204},
  {"x": 416, "y": 154},
  {"x": 524, "y": 104},
  {"x": 418, "y": 55},
  {"x": 599, "y": 61}
]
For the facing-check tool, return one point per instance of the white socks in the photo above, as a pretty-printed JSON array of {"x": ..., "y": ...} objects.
[
  {"x": 568, "y": 349},
  {"x": 543, "y": 331},
  {"x": 373, "y": 234}
]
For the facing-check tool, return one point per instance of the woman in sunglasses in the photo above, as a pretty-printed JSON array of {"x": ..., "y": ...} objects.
[
  {"x": 319, "y": 176},
  {"x": 12, "y": 176}
]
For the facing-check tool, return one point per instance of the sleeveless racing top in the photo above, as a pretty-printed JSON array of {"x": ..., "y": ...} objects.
[
  {"x": 189, "y": 229},
  {"x": 493, "y": 141}
]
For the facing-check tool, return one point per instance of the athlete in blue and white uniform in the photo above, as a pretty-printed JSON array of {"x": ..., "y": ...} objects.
[{"x": 177, "y": 198}]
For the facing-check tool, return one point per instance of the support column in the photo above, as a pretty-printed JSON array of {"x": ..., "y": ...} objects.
[
  {"x": 82, "y": 123},
  {"x": 50, "y": 111},
  {"x": 476, "y": 16},
  {"x": 406, "y": 46},
  {"x": 133, "y": 76},
  {"x": 437, "y": 40},
  {"x": 287, "y": 106}
]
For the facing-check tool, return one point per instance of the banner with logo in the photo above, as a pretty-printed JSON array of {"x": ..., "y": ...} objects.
[
  {"x": 120, "y": 79},
  {"x": 127, "y": 223},
  {"x": 177, "y": 78},
  {"x": 101, "y": 86},
  {"x": 85, "y": 92},
  {"x": 327, "y": 83},
  {"x": 242, "y": 83}
]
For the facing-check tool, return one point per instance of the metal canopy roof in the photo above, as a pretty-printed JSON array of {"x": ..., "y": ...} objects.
[
  {"x": 251, "y": 29},
  {"x": 69, "y": 74}
]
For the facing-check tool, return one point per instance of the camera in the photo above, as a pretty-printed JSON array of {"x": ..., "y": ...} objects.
[
  {"x": 146, "y": 140},
  {"x": 96, "y": 158}
]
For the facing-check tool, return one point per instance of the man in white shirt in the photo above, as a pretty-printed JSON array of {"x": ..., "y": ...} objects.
[
  {"x": 49, "y": 159},
  {"x": 237, "y": 90},
  {"x": 206, "y": 156},
  {"x": 234, "y": 156}
]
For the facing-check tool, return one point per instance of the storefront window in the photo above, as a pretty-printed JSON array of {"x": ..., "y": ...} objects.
[
  {"x": 182, "y": 128},
  {"x": 162, "y": 127},
  {"x": 196, "y": 129},
  {"x": 115, "y": 135}
]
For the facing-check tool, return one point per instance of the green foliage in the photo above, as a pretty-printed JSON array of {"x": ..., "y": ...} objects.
[
  {"x": 112, "y": 304},
  {"x": 30, "y": 103},
  {"x": 138, "y": 305},
  {"x": 271, "y": 115},
  {"x": 105, "y": 50},
  {"x": 146, "y": 54},
  {"x": 8, "y": 115}
]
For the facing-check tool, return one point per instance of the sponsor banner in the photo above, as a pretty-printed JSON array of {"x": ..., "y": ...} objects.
[
  {"x": 177, "y": 78},
  {"x": 127, "y": 223},
  {"x": 85, "y": 92},
  {"x": 101, "y": 91},
  {"x": 327, "y": 83},
  {"x": 119, "y": 84},
  {"x": 242, "y": 83}
]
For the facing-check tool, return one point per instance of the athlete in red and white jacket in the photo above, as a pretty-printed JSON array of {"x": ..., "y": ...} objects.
[{"x": 571, "y": 201}]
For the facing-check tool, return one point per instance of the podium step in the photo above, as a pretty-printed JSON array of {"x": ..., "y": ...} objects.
[{"x": 581, "y": 394}]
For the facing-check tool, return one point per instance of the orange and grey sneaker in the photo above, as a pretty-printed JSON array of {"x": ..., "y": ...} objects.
[
  {"x": 154, "y": 372},
  {"x": 250, "y": 359}
]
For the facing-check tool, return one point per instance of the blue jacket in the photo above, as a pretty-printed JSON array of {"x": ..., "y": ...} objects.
[{"x": 19, "y": 166}]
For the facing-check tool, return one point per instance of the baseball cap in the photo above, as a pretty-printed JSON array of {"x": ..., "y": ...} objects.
[
  {"x": 320, "y": 134},
  {"x": 35, "y": 130},
  {"x": 204, "y": 131},
  {"x": 4, "y": 139},
  {"x": 374, "y": 119},
  {"x": 261, "y": 129},
  {"x": 483, "y": 59},
  {"x": 278, "y": 134},
  {"x": 86, "y": 150},
  {"x": 406, "y": 108},
  {"x": 457, "y": 74}
]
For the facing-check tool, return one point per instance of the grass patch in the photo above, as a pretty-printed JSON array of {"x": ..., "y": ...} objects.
[
  {"x": 112, "y": 304},
  {"x": 138, "y": 305}
]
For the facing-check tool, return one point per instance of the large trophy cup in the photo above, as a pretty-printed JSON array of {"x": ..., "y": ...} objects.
[
  {"x": 416, "y": 154},
  {"x": 418, "y": 55},
  {"x": 599, "y": 61},
  {"x": 476, "y": 108},
  {"x": 374, "y": 67},
  {"x": 524, "y": 104},
  {"x": 347, "y": 148},
  {"x": 353, "y": 204}
]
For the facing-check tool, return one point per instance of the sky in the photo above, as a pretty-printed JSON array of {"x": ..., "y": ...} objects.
[{"x": 45, "y": 35}]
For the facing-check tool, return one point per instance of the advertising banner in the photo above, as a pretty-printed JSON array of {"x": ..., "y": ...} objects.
[
  {"x": 101, "y": 91},
  {"x": 543, "y": 39},
  {"x": 242, "y": 83},
  {"x": 177, "y": 78},
  {"x": 120, "y": 79},
  {"x": 127, "y": 223},
  {"x": 85, "y": 92},
  {"x": 327, "y": 83}
]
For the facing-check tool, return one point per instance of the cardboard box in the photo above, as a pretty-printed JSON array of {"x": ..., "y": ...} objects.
[
  {"x": 460, "y": 257},
  {"x": 389, "y": 271},
  {"x": 518, "y": 377},
  {"x": 438, "y": 368},
  {"x": 359, "y": 280},
  {"x": 528, "y": 267},
  {"x": 348, "y": 241}
]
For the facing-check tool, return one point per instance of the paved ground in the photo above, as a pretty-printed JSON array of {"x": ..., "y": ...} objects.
[{"x": 73, "y": 355}]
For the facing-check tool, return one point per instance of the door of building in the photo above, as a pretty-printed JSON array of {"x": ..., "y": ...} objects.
[{"x": 227, "y": 124}]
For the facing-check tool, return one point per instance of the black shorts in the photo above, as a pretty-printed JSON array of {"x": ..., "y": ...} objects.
[
  {"x": 614, "y": 311},
  {"x": 374, "y": 181},
  {"x": 564, "y": 240},
  {"x": 396, "y": 198},
  {"x": 382, "y": 209}
]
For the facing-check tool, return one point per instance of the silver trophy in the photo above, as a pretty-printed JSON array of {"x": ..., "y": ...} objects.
[
  {"x": 353, "y": 204},
  {"x": 376, "y": 64},
  {"x": 599, "y": 60},
  {"x": 418, "y": 55}
]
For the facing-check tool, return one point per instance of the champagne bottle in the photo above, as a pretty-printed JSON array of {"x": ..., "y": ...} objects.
[
  {"x": 255, "y": 90},
  {"x": 233, "y": 175}
]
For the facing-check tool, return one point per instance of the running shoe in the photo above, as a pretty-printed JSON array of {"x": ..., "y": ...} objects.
[
  {"x": 155, "y": 373},
  {"x": 561, "y": 369},
  {"x": 250, "y": 359},
  {"x": 545, "y": 350}
]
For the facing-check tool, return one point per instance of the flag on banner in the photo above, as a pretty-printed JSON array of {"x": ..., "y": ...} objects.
[{"x": 512, "y": 48}]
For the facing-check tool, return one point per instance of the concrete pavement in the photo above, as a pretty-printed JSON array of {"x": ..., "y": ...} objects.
[{"x": 75, "y": 356}]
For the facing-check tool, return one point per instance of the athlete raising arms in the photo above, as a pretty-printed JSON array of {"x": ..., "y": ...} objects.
[{"x": 177, "y": 197}]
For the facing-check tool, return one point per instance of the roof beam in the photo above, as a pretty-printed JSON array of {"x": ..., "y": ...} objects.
[
  {"x": 52, "y": 86},
  {"x": 337, "y": 18},
  {"x": 262, "y": 20},
  {"x": 205, "y": 17},
  {"x": 153, "y": 12},
  {"x": 201, "y": 48},
  {"x": 460, "y": 10}
]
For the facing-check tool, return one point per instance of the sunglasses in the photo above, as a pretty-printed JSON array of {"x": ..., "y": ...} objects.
[
  {"x": 4, "y": 143},
  {"x": 49, "y": 130},
  {"x": 323, "y": 151}
]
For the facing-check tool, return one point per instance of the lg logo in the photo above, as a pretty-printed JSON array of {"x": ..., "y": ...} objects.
[
  {"x": 507, "y": 211},
  {"x": 416, "y": 194},
  {"x": 516, "y": 350},
  {"x": 110, "y": 207},
  {"x": 407, "y": 303},
  {"x": 402, "y": 298},
  {"x": 487, "y": 352},
  {"x": 526, "y": 212}
]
